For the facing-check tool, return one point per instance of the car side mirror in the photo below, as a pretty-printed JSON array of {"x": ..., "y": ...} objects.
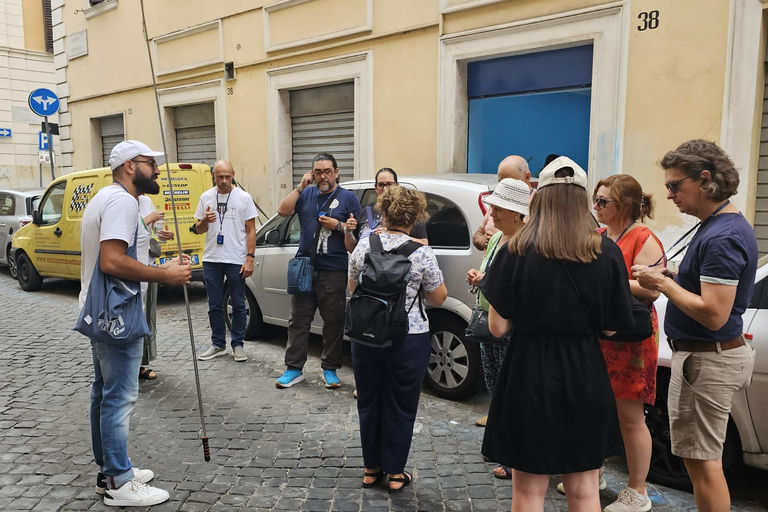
[
  {"x": 273, "y": 237},
  {"x": 37, "y": 218}
]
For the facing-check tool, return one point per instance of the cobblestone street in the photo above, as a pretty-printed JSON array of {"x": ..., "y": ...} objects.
[{"x": 294, "y": 449}]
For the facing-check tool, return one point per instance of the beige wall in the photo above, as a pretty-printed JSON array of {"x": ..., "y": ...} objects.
[{"x": 34, "y": 29}]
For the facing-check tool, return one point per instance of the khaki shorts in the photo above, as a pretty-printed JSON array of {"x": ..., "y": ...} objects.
[{"x": 701, "y": 390}]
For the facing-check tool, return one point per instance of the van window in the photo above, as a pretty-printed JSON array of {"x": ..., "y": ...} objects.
[
  {"x": 261, "y": 238},
  {"x": 369, "y": 198},
  {"x": 294, "y": 231},
  {"x": 7, "y": 204},
  {"x": 52, "y": 204},
  {"x": 446, "y": 226}
]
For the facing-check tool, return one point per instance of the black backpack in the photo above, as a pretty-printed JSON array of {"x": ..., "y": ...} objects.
[{"x": 376, "y": 313}]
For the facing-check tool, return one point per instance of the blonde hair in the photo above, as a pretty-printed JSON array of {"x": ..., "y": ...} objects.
[
  {"x": 560, "y": 226},
  {"x": 402, "y": 206}
]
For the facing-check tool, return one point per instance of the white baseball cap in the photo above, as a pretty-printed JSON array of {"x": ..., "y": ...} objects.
[
  {"x": 510, "y": 194},
  {"x": 130, "y": 149},
  {"x": 576, "y": 176}
]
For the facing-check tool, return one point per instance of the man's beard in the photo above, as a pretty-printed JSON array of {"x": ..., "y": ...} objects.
[
  {"x": 324, "y": 187},
  {"x": 145, "y": 184}
]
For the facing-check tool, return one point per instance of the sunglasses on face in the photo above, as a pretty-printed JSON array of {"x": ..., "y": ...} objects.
[
  {"x": 380, "y": 185},
  {"x": 672, "y": 186},
  {"x": 601, "y": 202}
]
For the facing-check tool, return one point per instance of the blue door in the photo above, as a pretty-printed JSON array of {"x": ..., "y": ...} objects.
[{"x": 531, "y": 105}]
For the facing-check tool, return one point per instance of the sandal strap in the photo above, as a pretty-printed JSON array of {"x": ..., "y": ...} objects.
[{"x": 405, "y": 478}]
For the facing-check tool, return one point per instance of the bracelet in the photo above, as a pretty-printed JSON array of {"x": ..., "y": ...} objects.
[
  {"x": 299, "y": 189},
  {"x": 251, "y": 255},
  {"x": 348, "y": 231}
]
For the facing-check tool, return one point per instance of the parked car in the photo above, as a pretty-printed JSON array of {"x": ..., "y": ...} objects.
[
  {"x": 454, "y": 202},
  {"x": 16, "y": 207},
  {"x": 49, "y": 245},
  {"x": 747, "y": 436}
]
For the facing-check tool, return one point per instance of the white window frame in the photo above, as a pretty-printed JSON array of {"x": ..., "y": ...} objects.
[
  {"x": 91, "y": 11},
  {"x": 357, "y": 67},
  {"x": 605, "y": 27}
]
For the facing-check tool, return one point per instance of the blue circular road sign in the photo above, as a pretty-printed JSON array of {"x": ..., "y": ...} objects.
[{"x": 43, "y": 102}]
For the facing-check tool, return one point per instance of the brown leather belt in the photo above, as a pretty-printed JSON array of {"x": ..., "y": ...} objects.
[{"x": 704, "y": 346}]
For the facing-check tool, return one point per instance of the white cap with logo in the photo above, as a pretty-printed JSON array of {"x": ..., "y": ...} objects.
[
  {"x": 572, "y": 174},
  {"x": 130, "y": 149}
]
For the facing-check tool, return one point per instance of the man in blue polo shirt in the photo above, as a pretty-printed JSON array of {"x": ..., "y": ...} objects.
[
  {"x": 711, "y": 360},
  {"x": 325, "y": 206}
]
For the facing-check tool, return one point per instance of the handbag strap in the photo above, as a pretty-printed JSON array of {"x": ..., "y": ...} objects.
[
  {"x": 576, "y": 289},
  {"x": 313, "y": 252}
]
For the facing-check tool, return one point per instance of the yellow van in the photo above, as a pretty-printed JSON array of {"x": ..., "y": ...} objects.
[{"x": 49, "y": 246}]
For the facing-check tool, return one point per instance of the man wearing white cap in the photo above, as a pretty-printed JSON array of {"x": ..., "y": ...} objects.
[{"x": 110, "y": 224}]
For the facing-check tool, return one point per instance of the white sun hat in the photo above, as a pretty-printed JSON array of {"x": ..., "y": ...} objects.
[{"x": 510, "y": 194}]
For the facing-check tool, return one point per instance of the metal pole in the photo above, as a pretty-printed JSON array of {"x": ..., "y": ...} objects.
[
  {"x": 50, "y": 146},
  {"x": 40, "y": 166},
  {"x": 206, "y": 450}
]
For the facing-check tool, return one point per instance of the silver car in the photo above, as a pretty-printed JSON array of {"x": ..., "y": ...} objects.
[
  {"x": 16, "y": 207},
  {"x": 747, "y": 436},
  {"x": 454, "y": 203}
]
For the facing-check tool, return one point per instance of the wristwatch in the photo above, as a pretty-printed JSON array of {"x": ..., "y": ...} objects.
[
  {"x": 251, "y": 255},
  {"x": 338, "y": 227}
]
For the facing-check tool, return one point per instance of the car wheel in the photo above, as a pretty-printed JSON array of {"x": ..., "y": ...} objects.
[
  {"x": 29, "y": 279},
  {"x": 454, "y": 365},
  {"x": 254, "y": 324},
  {"x": 668, "y": 469},
  {"x": 11, "y": 263}
]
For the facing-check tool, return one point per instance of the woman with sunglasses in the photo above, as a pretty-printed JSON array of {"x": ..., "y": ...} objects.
[
  {"x": 621, "y": 206},
  {"x": 370, "y": 220},
  {"x": 558, "y": 283}
]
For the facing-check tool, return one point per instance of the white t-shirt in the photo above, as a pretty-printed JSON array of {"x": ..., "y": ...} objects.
[
  {"x": 146, "y": 206},
  {"x": 239, "y": 208},
  {"x": 112, "y": 214}
]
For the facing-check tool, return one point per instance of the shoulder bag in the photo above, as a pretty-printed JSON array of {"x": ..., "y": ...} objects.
[
  {"x": 113, "y": 311},
  {"x": 477, "y": 330},
  {"x": 301, "y": 269}
]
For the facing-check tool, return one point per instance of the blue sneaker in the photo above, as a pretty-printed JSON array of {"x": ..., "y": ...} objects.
[
  {"x": 289, "y": 378},
  {"x": 331, "y": 379}
]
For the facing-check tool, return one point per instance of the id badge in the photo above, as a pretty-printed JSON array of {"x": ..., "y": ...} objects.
[
  {"x": 321, "y": 214},
  {"x": 220, "y": 239}
]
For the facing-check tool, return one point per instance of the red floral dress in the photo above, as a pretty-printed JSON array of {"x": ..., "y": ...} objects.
[{"x": 632, "y": 366}]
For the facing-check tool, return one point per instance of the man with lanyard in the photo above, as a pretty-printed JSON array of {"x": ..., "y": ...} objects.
[
  {"x": 110, "y": 225},
  {"x": 711, "y": 360},
  {"x": 228, "y": 217},
  {"x": 322, "y": 210},
  {"x": 515, "y": 167}
]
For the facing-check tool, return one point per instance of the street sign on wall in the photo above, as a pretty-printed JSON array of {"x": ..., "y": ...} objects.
[
  {"x": 43, "y": 102},
  {"x": 5, "y": 132}
]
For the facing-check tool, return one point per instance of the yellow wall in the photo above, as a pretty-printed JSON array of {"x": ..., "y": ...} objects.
[{"x": 34, "y": 28}]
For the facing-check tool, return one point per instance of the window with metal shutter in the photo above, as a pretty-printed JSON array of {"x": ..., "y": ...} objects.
[
  {"x": 111, "y": 129},
  {"x": 48, "y": 26},
  {"x": 761, "y": 201},
  {"x": 323, "y": 121},
  {"x": 195, "y": 133}
]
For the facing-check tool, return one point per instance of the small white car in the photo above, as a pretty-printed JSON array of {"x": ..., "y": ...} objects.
[
  {"x": 747, "y": 437},
  {"x": 16, "y": 207}
]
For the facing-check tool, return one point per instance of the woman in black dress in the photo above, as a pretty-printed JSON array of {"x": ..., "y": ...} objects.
[{"x": 559, "y": 284}]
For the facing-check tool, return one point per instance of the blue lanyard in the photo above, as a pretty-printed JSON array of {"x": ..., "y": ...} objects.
[
  {"x": 321, "y": 208},
  {"x": 226, "y": 207},
  {"x": 493, "y": 254}
]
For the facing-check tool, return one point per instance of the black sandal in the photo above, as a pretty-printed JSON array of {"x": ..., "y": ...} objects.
[
  {"x": 147, "y": 373},
  {"x": 406, "y": 479},
  {"x": 377, "y": 478}
]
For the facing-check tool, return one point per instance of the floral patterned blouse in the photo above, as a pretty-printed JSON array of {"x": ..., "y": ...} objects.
[{"x": 424, "y": 272}]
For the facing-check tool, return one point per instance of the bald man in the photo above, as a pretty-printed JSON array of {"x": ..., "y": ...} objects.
[{"x": 515, "y": 167}]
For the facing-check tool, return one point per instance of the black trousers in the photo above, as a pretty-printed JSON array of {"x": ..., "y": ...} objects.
[{"x": 388, "y": 389}]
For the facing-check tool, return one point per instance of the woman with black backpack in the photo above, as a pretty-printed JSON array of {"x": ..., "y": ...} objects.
[{"x": 389, "y": 376}]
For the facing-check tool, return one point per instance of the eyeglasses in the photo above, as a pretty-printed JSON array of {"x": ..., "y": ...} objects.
[
  {"x": 382, "y": 184},
  {"x": 319, "y": 172},
  {"x": 151, "y": 163},
  {"x": 601, "y": 202},
  {"x": 672, "y": 185}
]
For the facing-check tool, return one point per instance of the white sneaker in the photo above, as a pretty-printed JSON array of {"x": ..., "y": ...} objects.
[
  {"x": 630, "y": 501},
  {"x": 212, "y": 352},
  {"x": 142, "y": 475},
  {"x": 135, "y": 494},
  {"x": 603, "y": 485},
  {"x": 239, "y": 354}
]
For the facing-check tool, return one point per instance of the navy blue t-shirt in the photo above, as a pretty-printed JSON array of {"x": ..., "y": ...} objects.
[
  {"x": 331, "y": 252},
  {"x": 723, "y": 251}
]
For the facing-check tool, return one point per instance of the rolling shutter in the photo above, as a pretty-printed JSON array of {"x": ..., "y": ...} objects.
[
  {"x": 195, "y": 134},
  {"x": 48, "y": 26},
  {"x": 761, "y": 202},
  {"x": 323, "y": 121},
  {"x": 112, "y": 134}
]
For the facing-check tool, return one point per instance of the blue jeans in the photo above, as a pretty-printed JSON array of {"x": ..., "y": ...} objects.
[
  {"x": 213, "y": 277},
  {"x": 113, "y": 395}
]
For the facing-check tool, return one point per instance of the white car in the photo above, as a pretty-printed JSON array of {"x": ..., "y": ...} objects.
[
  {"x": 747, "y": 437},
  {"x": 16, "y": 207},
  {"x": 454, "y": 203}
]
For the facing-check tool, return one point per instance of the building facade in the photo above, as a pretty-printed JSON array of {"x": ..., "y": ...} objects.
[
  {"x": 26, "y": 64},
  {"x": 421, "y": 86}
]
